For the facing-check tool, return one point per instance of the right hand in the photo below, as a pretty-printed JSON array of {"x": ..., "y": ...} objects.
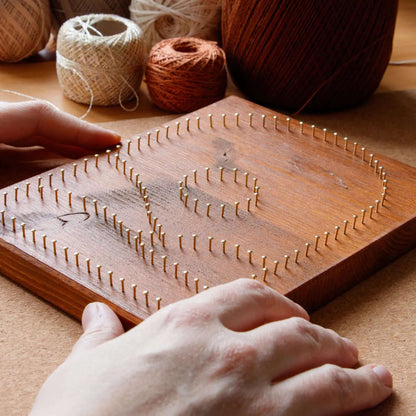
[{"x": 236, "y": 349}]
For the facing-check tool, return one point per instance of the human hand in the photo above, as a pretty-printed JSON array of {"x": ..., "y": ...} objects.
[
  {"x": 236, "y": 349},
  {"x": 39, "y": 123}
]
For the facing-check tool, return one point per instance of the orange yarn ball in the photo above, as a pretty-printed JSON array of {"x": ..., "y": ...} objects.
[{"x": 184, "y": 74}]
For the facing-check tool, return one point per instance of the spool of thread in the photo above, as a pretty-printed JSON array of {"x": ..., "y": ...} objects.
[
  {"x": 164, "y": 19},
  {"x": 24, "y": 28},
  {"x": 184, "y": 74},
  {"x": 62, "y": 10},
  {"x": 309, "y": 54},
  {"x": 100, "y": 59}
]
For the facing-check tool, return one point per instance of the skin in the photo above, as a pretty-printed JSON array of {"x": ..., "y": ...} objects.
[
  {"x": 39, "y": 123},
  {"x": 236, "y": 349}
]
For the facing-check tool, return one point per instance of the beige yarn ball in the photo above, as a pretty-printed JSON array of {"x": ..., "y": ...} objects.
[
  {"x": 25, "y": 27},
  {"x": 164, "y": 19},
  {"x": 100, "y": 59},
  {"x": 63, "y": 10}
]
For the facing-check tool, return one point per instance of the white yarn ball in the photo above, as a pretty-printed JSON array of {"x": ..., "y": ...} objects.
[
  {"x": 25, "y": 27},
  {"x": 163, "y": 19},
  {"x": 100, "y": 59}
]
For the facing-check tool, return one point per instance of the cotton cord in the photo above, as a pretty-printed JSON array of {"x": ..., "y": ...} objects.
[
  {"x": 24, "y": 28},
  {"x": 309, "y": 54},
  {"x": 19, "y": 94},
  {"x": 163, "y": 19},
  {"x": 100, "y": 60},
  {"x": 403, "y": 62},
  {"x": 184, "y": 74},
  {"x": 63, "y": 10}
]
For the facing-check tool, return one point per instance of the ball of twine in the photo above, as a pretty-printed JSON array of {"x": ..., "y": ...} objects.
[
  {"x": 310, "y": 54},
  {"x": 184, "y": 74},
  {"x": 100, "y": 59},
  {"x": 163, "y": 19},
  {"x": 63, "y": 10},
  {"x": 24, "y": 28}
]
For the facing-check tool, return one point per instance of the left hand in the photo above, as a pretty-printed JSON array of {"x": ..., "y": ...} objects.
[{"x": 39, "y": 123}]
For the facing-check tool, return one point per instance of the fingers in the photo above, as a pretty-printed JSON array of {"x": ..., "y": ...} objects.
[
  {"x": 100, "y": 324},
  {"x": 38, "y": 118},
  {"x": 245, "y": 304},
  {"x": 288, "y": 347},
  {"x": 53, "y": 146},
  {"x": 332, "y": 390}
]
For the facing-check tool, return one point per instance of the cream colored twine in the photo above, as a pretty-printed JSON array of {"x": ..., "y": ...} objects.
[
  {"x": 30, "y": 97},
  {"x": 24, "y": 28},
  {"x": 165, "y": 19},
  {"x": 19, "y": 94},
  {"x": 100, "y": 60}
]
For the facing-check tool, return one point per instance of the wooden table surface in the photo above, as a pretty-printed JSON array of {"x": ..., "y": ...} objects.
[{"x": 379, "y": 314}]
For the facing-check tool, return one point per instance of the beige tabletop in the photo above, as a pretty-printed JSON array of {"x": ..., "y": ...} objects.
[{"x": 379, "y": 314}]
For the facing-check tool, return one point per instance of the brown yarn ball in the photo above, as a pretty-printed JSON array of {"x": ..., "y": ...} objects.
[
  {"x": 308, "y": 54},
  {"x": 186, "y": 73},
  {"x": 24, "y": 28}
]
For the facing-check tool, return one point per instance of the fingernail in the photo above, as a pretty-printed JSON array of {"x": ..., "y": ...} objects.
[
  {"x": 352, "y": 347},
  {"x": 112, "y": 138},
  {"x": 94, "y": 314},
  {"x": 116, "y": 136},
  {"x": 384, "y": 375}
]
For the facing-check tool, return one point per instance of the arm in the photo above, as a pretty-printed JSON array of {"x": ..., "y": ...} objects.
[{"x": 236, "y": 349}]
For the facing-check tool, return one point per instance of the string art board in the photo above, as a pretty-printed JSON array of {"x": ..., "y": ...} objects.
[{"x": 232, "y": 190}]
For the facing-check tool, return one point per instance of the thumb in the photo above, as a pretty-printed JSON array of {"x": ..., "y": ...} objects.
[{"x": 100, "y": 324}]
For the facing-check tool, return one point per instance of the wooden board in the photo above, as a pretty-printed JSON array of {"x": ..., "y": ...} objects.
[{"x": 310, "y": 182}]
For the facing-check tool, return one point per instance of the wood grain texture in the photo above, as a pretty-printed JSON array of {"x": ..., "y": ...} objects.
[{"x": 307, "y": 186}]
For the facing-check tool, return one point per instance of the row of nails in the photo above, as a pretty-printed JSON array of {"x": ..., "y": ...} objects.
[{"x": 372, "y": 162}]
